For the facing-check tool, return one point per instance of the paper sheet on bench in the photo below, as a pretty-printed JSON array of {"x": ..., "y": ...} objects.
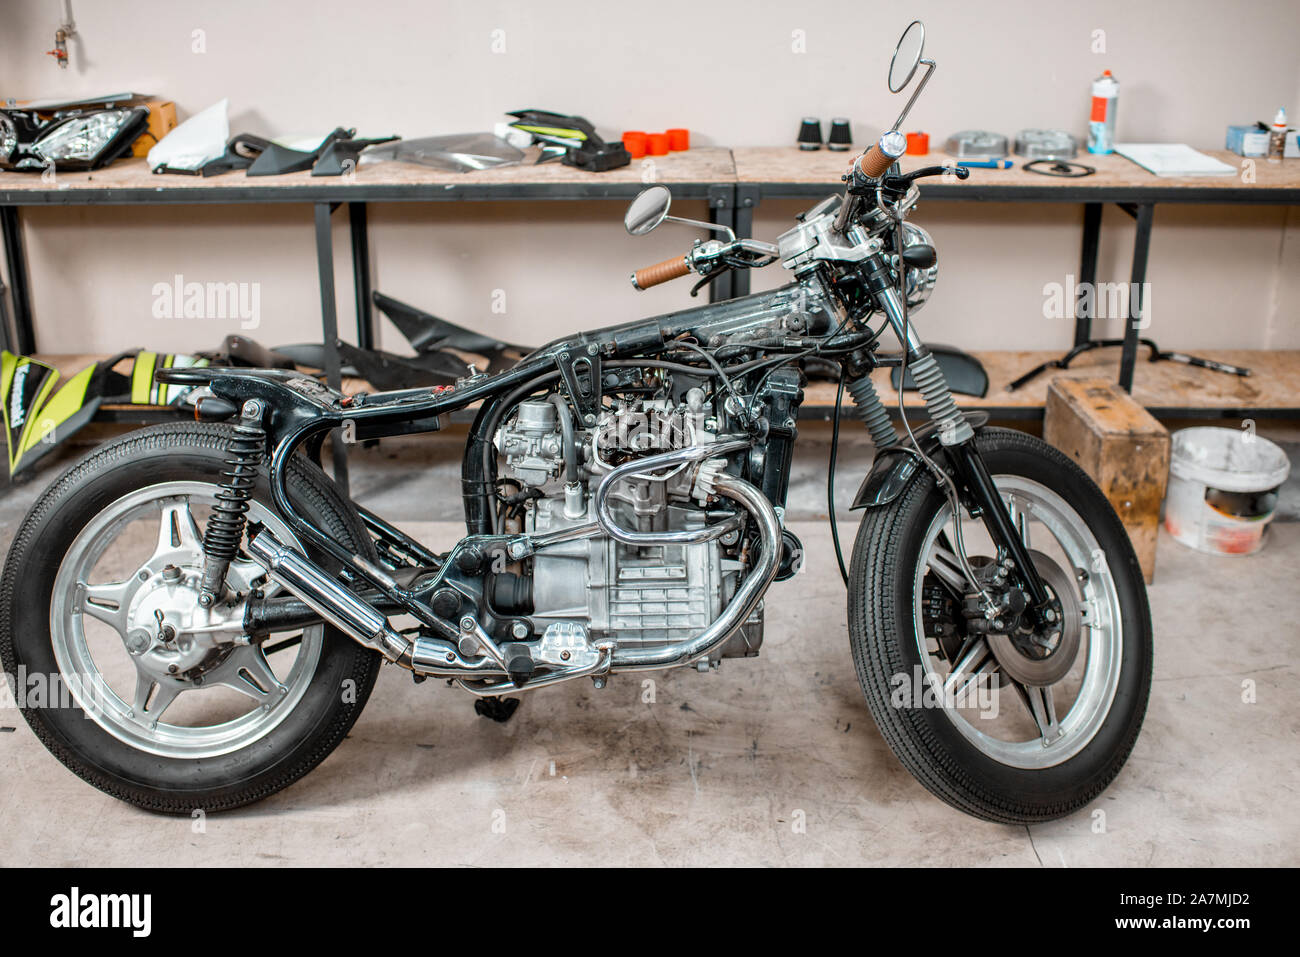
[{"x": 1173, "y": 159}]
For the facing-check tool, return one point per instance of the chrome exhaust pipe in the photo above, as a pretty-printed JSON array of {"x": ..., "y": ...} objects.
[{"x": 326, "y": 597}]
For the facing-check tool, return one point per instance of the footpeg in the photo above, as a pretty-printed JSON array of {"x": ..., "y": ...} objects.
[{"x": 519, "y": 663}]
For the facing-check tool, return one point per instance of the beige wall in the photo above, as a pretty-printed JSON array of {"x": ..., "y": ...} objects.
[{"x": 1220, "y": 277}]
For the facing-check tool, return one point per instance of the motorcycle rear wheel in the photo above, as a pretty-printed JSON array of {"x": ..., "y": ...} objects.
[
  {"x": 947, "y": 702},
  {"x": 239, "y": 722}
]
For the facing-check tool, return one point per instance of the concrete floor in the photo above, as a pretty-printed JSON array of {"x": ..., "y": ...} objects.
[{"x": 723, "y": 768}]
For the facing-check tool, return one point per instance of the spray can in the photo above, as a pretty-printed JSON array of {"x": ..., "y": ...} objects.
[
  {"x": 1101, "y": 121},
  {"x": 1277, "y": 137}
]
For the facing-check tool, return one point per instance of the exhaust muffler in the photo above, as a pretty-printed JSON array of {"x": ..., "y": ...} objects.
[{"x": 327, "y": 597}]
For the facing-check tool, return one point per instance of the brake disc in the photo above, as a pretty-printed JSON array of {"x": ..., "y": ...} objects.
[{"x": 1041, "y": 658}]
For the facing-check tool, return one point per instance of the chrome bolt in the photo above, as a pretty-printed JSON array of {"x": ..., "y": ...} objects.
[
  {"x": 519, "y": 630},
  {"x": 467, "y": 624},
  {"x": 592, "y": 349},
  {"x": 171, "y": 573},
  {"x": 564, "y": 656},
  {"x": 598, "y": 682}
]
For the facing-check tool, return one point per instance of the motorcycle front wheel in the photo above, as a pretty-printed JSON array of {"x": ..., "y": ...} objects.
[
  {"x": 122, "y": 675},
  {"x": 1015, "y": 727}
]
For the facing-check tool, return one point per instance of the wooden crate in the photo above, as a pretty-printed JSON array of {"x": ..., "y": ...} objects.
[{"x": 1121, "y": 446}]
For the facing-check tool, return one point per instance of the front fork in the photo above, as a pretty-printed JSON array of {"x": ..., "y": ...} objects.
[
  {"x": 975, "y": 485},
  {"x": 982, "y": 500}
]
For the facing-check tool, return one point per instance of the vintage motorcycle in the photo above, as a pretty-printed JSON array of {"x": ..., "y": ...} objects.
[{"x": 216, "y": 611}]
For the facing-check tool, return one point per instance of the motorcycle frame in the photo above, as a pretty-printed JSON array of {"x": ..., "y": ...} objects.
[{"x": 301, "y": 411}]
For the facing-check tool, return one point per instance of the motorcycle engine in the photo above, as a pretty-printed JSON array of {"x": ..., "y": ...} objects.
[{"x": 635, "y": 595}]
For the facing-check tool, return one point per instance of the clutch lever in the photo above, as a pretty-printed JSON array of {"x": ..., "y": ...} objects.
[
  {"x": 901, "y": 182},
  {"x": 738, "y": 254}
]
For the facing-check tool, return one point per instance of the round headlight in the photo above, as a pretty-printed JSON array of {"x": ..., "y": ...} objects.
[{"x": 920, "y": 282}]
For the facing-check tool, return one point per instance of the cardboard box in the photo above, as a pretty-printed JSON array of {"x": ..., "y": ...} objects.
[
  {"x": 162, "y": 120},
  {"x": 1247, "y": 140}
]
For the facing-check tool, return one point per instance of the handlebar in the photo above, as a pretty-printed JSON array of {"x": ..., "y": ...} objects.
[
  {"x": 875, "y": 162},
  {"x": 669, "y": 269}
]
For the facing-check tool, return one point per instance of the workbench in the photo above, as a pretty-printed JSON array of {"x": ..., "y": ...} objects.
[{"x": 734, "y": 182}]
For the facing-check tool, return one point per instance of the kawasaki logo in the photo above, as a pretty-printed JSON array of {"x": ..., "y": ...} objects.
[{"x": 17, "y": 413}]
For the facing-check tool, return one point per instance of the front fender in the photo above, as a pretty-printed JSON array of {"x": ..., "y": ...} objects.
[{"x": 895, "y": 466}]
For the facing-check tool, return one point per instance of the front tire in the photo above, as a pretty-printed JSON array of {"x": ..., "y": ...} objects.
[
  {"x": 1048, "y": 749},
  {"x": 117, "y": 728}
]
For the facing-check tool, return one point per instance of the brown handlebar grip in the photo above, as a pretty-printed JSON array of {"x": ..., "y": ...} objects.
[
  {"x": 673, "y": 268},
  {"x": 875, "y": 162}
]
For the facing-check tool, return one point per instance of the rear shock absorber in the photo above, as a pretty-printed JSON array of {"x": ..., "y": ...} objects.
[
  {"x": 225, "y": 529},
  {"x": 872, "y": 412}
]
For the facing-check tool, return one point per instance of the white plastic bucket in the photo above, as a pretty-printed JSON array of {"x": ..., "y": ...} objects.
[{"x": 1223, "y": 489}]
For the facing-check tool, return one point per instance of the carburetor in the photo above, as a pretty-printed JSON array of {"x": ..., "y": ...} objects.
[{"x": 532, "y": 445}]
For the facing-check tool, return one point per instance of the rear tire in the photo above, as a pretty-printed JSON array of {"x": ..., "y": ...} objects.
[
  {"x": 332, "y": 696},
  {"x": 927, "y": 740}
]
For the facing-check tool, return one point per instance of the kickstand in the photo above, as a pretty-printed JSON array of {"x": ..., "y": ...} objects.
[
  {"x": 500, "y": 710},
  {"x": 1156, "y": 356}
]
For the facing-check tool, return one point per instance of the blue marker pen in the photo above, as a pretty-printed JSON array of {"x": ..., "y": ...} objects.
[{"x": 986, "y": 164}]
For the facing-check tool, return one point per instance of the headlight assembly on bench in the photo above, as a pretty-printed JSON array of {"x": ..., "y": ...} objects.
[{"x": 81, "y": 140}]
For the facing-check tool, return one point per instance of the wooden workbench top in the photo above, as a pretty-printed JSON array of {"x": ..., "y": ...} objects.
[
  {"x": 701, "y": 165},
  {"x": 788, "y": 164},
  {"x": 1273, "y": 386},
  {"x": 772, "y": 165}
]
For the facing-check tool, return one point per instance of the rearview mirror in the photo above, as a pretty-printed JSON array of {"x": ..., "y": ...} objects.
[
  {"x": 648, "y": 210},
  {"x": 907, "y": 56}
]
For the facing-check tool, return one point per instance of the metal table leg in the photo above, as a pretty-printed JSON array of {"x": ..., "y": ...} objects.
[
  {"x": 1143, "y": 214},
  {"x": 747, "y": 197},
  {"x": 1083, "y": 341},
  {"x": 330, "y": 329},
  {"x": 24, "y": 333},
  {"x": 1087, "y": 272},
  {"x": 722, "y": 210},
  {"x": 361, "y": 275}
]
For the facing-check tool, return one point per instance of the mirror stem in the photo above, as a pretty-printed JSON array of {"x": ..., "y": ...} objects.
[
  {"x": 929, "y": 71},
  {"x": 715, "y": 227}
]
